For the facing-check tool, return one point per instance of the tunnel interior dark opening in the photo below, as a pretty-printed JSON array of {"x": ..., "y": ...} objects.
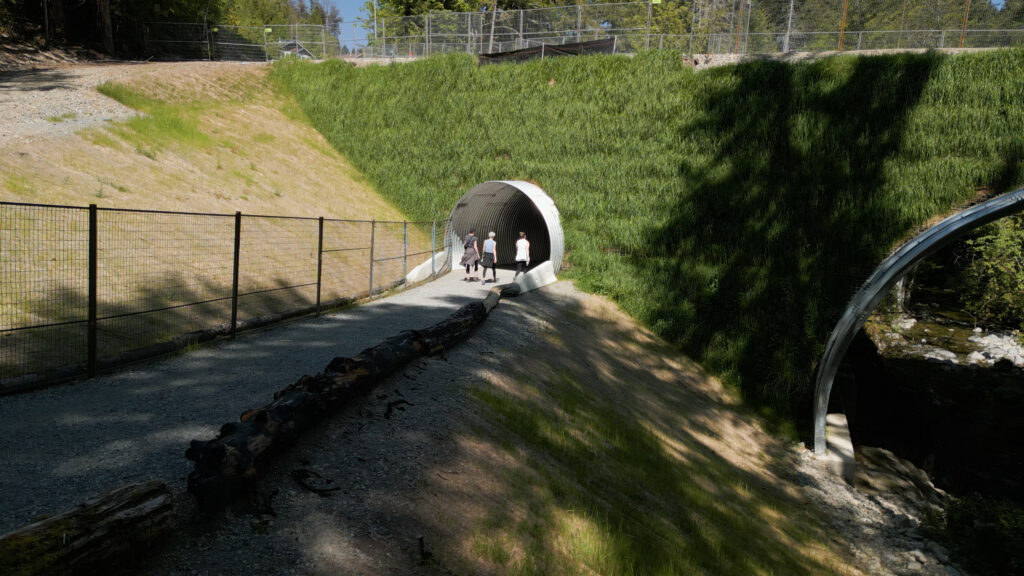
[{"x": 502, "y": 208}]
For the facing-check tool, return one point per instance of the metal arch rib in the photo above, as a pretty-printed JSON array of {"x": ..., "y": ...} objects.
[{"x": 884, "y": 277}]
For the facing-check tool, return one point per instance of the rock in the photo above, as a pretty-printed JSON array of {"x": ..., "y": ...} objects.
[
  {"x": 914, "y": 566},
  {"x": 906, "y": 323},
  {"x": 940, "y": 553},
  {"x": 977, "y": 330},
  {"x": 976, "y": 358}
]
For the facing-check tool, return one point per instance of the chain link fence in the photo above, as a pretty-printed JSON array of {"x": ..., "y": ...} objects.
[
  {"x": 82, "y": 289},
  {"x": 178, "y": 41},
  {"x": 707, "y": 26},
  {"x": 690, "y": 26}
]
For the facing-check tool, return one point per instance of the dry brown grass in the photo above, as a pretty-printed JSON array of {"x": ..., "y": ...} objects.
[{"x": 261, "y": 160}]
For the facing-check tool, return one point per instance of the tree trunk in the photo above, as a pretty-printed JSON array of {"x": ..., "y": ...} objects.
[
  {"x": 226, "y": 466},
  {"x": 106, "y": 29},
  {"x": 111, "y": 530}
]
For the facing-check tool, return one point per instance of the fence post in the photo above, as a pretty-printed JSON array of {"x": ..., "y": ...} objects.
[
  {"x": 405, "y": 248},
  {"x": 319, "y": 261},
  {"x": 693, "y": 23},
  {"x": 433, "y": 247},
  {"x": 520, "y": 29},
  {"x": 91, "y": 338},
  {"x": 739, "y": 29},
  {"x": 579, "y": 22},
  {"x": 789, "y": 28},
  {"x": 647, "y": 43},
  {"x": 234, "y": 273},
  {"x": 494, "y": 18},
  {"x": 373, "y": 230},
  {"x": 209, "y": 41},
  {"x": 266, "y": 50}
]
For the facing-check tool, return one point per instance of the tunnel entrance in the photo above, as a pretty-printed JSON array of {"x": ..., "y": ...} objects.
[{"x": 506, "y": 208}]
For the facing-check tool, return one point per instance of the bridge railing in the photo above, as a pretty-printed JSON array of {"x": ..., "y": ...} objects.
[{"x": 84, "y": 288}]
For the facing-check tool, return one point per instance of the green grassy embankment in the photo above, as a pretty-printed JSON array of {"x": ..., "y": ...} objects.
[{"x": 734, "y": 210}]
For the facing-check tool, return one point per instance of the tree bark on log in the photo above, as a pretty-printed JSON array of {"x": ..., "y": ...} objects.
[
  {"x": 228, "y": 465},
  {"x": 101, "y": 533}
]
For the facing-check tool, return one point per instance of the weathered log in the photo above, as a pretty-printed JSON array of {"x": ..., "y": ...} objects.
[
  {"x": 227, "y": 465},
  {"x": 110, "y": 530}
]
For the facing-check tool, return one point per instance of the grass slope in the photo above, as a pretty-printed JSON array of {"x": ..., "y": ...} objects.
[
  {"x": 603, "y": 450},
  {"x": 734, "y": 210}
]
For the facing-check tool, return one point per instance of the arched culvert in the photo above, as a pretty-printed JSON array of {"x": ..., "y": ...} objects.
[
  {"x": 884, "y": 277},
  {"x": 506, "y": 208}
]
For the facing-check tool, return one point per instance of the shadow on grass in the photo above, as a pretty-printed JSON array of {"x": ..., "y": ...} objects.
[
  {"x": 797, "y": 157},
  {"x": 629, "y": 459}
]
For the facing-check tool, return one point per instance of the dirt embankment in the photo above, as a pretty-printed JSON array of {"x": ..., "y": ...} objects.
[{"x": 218, "y": 138}]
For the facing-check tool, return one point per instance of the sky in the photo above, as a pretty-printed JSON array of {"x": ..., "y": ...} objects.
[{"x": 348, "y": 9}]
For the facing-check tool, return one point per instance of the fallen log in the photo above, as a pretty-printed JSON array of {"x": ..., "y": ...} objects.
[
  {"x": 227, "y": 466},
  {"x": 114, "y": 529}
]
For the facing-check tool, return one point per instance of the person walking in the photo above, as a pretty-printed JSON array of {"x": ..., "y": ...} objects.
[
  {"x": 470, "y": 257},
  {"x": 490, "y": 257},
  {"x": 522, "y": 255}
]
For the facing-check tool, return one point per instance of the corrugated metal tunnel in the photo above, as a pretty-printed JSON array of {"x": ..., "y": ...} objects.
[{"x": 506, "y": 208}]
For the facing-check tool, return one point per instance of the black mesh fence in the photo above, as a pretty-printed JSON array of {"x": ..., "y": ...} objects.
[
  {"x": 82, "y": 289},
  {"x": 603, "y": 46}
]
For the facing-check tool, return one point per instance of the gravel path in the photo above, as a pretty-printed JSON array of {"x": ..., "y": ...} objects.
[
  {"x": 36, "y": 105},
  {"x": 39, "y": 105},
  {"x": 62, "y": 445}
]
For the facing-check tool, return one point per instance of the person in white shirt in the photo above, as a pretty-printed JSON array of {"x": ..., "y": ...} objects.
[
  {"x": 522, "y": 255},
  {"x": 490, "y": 258}
]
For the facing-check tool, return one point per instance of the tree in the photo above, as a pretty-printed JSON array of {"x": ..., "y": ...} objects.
[{"x": 995, "y": 273}]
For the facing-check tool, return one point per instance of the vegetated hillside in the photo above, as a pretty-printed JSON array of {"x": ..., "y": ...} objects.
[
  {"x": 209, "y": 137},
  {"x": 734, "y": 210}
]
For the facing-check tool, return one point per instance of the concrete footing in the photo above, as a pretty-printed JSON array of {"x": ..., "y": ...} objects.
[
  {"x": 427, "y": 269},
  {"x": 839, "y": 455},
  {"x": 539, "y": 277}
]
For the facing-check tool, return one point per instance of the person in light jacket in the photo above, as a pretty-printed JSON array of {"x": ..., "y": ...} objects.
[
  {"x": 522, "y": 255},
  {"x": 490, "y": 257}
]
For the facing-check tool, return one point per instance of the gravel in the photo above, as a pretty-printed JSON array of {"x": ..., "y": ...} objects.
[{"x": 38, "y": 105}]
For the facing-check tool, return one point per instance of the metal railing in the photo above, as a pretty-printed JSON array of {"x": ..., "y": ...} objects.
[{"x": 83, "y": 288}]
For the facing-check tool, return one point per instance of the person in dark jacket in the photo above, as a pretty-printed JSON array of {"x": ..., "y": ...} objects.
[{"x": 471, "y": 256}]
